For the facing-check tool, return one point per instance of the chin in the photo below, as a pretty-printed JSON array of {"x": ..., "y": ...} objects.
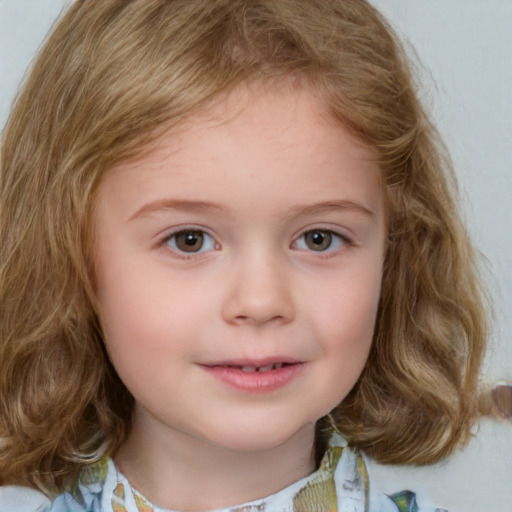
[{"x": 260, "y": 438}]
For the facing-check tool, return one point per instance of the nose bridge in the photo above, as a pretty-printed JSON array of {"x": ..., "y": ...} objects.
[{"x": 259, "y": 290}]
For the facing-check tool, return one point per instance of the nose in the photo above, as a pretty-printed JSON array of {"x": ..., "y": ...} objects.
[{"x": 259, "y": 292}]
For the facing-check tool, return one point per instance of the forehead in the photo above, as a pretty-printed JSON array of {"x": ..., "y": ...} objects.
[{"x": 281, "y": 143}]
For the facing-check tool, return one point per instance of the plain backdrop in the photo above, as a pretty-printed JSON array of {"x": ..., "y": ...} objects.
[{"x": 465, "y": 50}]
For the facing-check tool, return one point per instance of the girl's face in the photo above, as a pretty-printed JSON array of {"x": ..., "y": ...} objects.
[{"x": 239, "y": 271}]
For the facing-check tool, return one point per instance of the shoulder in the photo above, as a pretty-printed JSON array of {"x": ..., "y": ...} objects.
[
  {"x": 389, "y": 492},
  {"x": 86, "y": 497},
  {"x": 358, "y": 486},
  {"x": 14, "y": 498}
]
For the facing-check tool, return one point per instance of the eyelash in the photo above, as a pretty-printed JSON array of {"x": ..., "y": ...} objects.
[{"x": 338, "y": 239}]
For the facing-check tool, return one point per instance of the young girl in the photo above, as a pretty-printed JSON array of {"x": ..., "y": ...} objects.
[{"x": 232, "y": 273}]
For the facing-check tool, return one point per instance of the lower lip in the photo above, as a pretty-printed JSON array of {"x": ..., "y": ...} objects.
[{"x": 255, "y": 382}]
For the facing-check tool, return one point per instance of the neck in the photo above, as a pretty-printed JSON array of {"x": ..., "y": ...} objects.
[{"x": 178, "y": 471}]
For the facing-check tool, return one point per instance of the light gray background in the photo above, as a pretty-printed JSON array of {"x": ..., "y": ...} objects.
[{"x": 465, "y": 47}]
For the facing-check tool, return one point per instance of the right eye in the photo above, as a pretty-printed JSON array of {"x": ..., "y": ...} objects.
[{"x": 190, "y": 241}]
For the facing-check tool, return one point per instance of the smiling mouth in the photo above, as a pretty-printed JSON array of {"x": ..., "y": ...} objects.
[{"x": 255, "y": 376}]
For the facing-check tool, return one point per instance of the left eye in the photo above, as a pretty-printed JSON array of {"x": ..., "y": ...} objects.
[
  {"x": 190, "y": 241},
  {"x": 319, "y": 240}
]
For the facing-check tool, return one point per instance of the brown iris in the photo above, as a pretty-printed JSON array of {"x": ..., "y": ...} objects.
[
  {"x": 318, "y": 240},
  {"x": 189, "y": 241}
]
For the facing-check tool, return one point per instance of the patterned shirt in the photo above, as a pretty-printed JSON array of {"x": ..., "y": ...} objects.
[{"x": 340, "y": 484}]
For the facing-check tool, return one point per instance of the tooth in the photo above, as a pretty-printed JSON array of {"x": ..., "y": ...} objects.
[
  {"x": 249, "y": 369},
  {"x": 278, "y": 365},
  {"x": 266, "y": 368}
]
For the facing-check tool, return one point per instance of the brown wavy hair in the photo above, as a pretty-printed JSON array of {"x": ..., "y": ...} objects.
[{"x": 111, "y": 78}]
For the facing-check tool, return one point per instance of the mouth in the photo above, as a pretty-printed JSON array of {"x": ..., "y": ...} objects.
[
  {"x": 255, "y": 376},
  {"x": 260, "y": 365},
  {"x": 252, "y": 368}
]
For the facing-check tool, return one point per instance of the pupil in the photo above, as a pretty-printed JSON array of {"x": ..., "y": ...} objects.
[
  {"x": 189, "y": 241},
  {"x": 318, "y": 238}
]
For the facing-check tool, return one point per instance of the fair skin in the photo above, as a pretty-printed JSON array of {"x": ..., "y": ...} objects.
[{"x": 239, "y": 272}]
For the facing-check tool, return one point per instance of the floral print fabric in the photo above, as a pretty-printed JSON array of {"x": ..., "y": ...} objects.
[{"x": 340, "y": 484}]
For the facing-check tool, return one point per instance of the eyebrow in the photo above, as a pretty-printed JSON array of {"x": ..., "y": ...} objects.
[
  {"x": 184, "y": 205},
  {"x": 207, "y": 207},
  {"x": 328, "y": 206}
]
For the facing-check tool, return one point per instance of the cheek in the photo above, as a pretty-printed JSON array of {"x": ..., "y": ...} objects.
[
  {"x": 347, "y": 327},
  {"x": 349, "y": 303},
  {"x": 130, "y": 306},
  {"x": 148, "y": 317},
  {"x": 345, "y": 321},
  {"x": 141, "y": 341}
]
